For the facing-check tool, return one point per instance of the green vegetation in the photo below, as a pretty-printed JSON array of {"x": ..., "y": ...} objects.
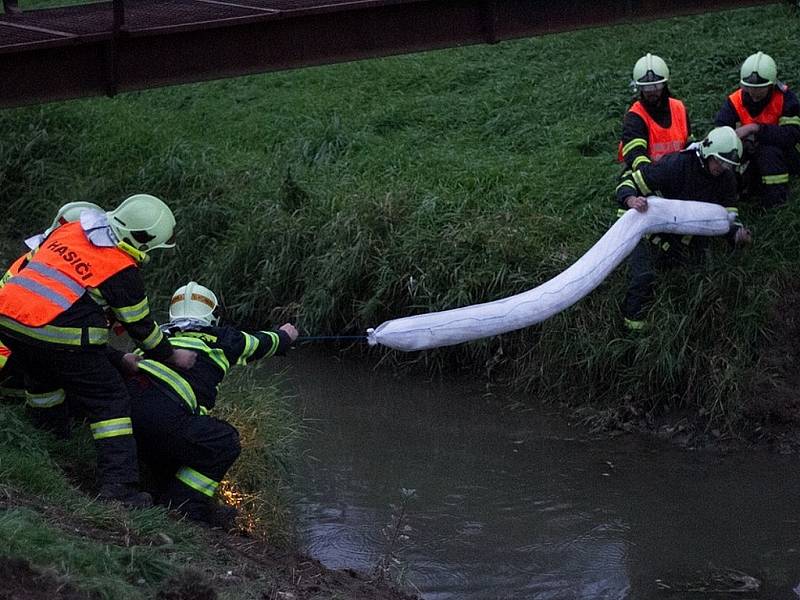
[
  {"x": 109, "y": 552},
  {"x": 342, "y": 196},
  {"x": 349, "y": 194}
]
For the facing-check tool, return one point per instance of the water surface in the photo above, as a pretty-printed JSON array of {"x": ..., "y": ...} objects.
[{"x": 512, "y": 504}]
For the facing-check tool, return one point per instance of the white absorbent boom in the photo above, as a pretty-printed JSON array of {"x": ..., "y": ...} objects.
[{"x": 445, "y": 328}]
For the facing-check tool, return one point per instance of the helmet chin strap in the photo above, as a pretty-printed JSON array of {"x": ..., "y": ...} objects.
[{"x": 138, "y": 255}]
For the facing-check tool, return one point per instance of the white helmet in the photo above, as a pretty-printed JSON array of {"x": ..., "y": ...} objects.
[
  {"x": 193, "y": 301},
  {"x": 70, "y": 212},
  {"x": 724, "y": 144},
  {"x": 650, "y": 70},
  {"x": 143, "y": 222},
  {"x": 758, "y": 70}
]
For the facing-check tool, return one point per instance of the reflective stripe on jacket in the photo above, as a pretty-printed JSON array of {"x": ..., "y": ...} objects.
[
  {"x": 769, "y": 116},
  {"x": 57, "y": 276},
  {"x": 16, "y": 267},
  {"x": 663, "y": 140}
]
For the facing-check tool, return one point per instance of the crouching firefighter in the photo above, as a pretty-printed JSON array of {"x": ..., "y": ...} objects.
[
  {"x": 53, "y": 321},
  {"x": 188, "y": 451},
  {"x": 703, "y": 172}
]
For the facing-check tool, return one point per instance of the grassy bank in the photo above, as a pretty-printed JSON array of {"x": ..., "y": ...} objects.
[
  {"x": 345, "y": 195},
  {"x": 49, "y": 517}
]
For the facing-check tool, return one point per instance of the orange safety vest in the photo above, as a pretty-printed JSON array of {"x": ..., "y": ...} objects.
[
  {"x": 16, "y": 266},
  {"x": 769, "y": 116},
  {"x": 57, "y": 276},
  {"x": 663, "y": 140}
]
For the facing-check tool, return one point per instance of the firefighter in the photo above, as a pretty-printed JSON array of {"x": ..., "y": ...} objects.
[
  {"x": 188, "y": 451},
  {"x": 766, "y": 116},
  {"x": 52, "y": 319},
  {"x": 656, "y": 124},
  {"x": 11, "y": 377},
  {"x": 703, "y": 172}
]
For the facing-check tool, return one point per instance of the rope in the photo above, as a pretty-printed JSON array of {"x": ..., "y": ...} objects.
[{"x": 330, "y": 338}]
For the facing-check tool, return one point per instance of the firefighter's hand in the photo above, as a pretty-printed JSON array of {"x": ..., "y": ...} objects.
[
  {"x": 289, "y": 330},
  {"x": 182, "y": 358},
  {"x": 745, "y": 131},
  {"x": 743, "y": 237},
  {"x": 130, "y": 363},
  {"x": 637, "y": 202}
]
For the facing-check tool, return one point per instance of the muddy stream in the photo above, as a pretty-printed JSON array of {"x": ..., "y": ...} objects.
[{"x": 518, "y": 504}]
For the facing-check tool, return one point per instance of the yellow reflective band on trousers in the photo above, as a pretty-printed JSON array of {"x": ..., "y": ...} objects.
[
  {"x": 250, "y": 346},
  {"x": 131, "y": 314},
  {"x": 635, "y": 325},
  {"x": 191, "y": 343},
  {"x": 775, "y": 179},
  {"x": 70, "y": 336},
  {"x": 175, "y": 382},
  {"x": 197, "y": 481},
  {"x": 112, "y": 428},
  {"x": 46, "y": 399},
  {"x": 152, "y": 340}
]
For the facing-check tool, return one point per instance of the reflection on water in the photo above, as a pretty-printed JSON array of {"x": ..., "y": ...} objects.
[{"x": 519, "y": 505}]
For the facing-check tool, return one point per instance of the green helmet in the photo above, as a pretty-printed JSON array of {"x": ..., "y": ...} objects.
[
  {"x": 143, "y": 222},
  {"x": 759, "y": 70},
  {"x": 193, "y": 301},
  {"x": 650, "y": 70},
  {"x": 70, "y": 212},
  {"x": 724, "y": 144}
]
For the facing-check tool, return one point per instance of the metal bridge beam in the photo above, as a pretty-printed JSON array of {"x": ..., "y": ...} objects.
[{"x": 105, "y": 48}]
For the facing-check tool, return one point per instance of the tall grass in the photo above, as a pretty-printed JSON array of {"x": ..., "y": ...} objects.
[{"x": 342, "y": 196}]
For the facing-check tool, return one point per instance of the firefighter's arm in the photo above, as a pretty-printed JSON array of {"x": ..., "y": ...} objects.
[
  {"x": 786, "y": 134},
  {"x": 726, "y": 115},
  {"x": 633, "y": 189},
  {"x": 251, "y": 346},
  {"x": 635, "y": 149},
  {"x": 127, "y": 299},
  {"x": 126, "y": 363}
]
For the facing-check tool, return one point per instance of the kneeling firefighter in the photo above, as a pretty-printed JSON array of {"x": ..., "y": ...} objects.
[{"x": 187, "y": 450}]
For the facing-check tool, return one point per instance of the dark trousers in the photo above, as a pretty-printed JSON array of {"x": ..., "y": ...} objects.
[
  {"x": 170, "y": 438},
  {"x": 12, "y": 379},
  {"x": 766, "y": 176},
  {"x": 661, "y": 251},
  {"x": 93, "y": 389}
]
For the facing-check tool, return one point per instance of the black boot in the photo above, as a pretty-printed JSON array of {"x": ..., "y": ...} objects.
[
  {"x": 208, "y": 513},
  {"x": 223, "y": 516},
  {"x": 126, "y": 494}
]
